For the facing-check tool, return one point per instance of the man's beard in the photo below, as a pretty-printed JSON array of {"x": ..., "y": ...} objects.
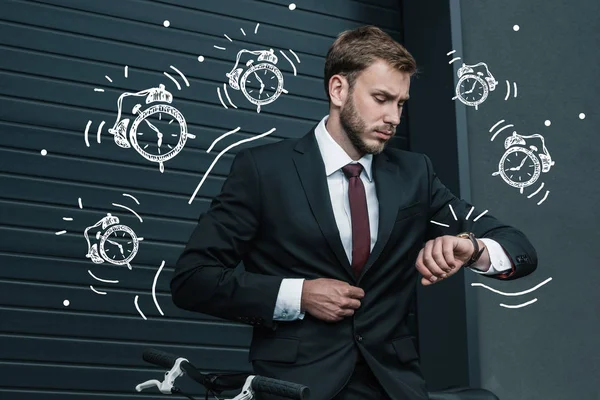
[{"x": 355, "y": 127}]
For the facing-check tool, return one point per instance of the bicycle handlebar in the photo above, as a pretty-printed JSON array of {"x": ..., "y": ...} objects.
[
  {"x": 159, "y": 358},
  {"x": 253, "y": 383},
  {"x": 280, "y": 388}
]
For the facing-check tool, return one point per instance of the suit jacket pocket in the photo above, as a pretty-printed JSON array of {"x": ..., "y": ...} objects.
[
  {"x": 405, "y": 349},
  {"x": 409, "y": 211},
  {"x": 275, "y": 349}
]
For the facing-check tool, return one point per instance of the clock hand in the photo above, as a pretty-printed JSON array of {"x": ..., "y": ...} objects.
[
  {"x": 257, "y": 78},
  {"x": 116, "y": 244},
  {"x": 152, "y": 126},
  {"x": 520, "y": 166},
  {"x": 158, "y": 133},
  {"x": 473, "y": 88}
]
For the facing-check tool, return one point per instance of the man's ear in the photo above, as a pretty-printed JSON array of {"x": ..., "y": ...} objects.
[{"x": 338, "y": 90}]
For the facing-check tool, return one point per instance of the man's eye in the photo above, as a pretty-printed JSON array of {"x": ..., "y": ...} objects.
[{"x": 380, "y": 100}]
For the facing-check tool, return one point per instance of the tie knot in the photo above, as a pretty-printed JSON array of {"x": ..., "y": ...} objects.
[{"x": 352, "y": 170}]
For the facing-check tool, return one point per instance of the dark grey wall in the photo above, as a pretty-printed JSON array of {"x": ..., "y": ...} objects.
[
  {"x": 549, "y": 348},
  {"x": 53, "y": 55}
]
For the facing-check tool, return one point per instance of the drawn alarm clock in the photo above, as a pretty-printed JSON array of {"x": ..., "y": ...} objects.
[
  {"x": 262, "y": 83},
  {"x": 116, "y": 243},
  {"x": 158, "y": 133},
  {"x": 473, "y": 87},
  {"x": 521, "y": 166}
]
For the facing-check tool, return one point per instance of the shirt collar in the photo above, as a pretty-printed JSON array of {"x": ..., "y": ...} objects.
[{"x": 333, "y": 155}]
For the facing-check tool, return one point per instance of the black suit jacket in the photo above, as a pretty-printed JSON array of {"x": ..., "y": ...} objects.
[{"x": 274, "y": 214}]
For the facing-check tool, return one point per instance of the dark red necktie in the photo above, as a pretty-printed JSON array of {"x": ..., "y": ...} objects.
[{"x": 361, "y": 234}]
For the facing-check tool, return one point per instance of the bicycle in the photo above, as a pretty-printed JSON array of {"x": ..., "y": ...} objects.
[{"x": 216, "y": 383}]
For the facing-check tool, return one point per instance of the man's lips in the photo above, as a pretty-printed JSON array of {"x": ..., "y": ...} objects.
[{"x": 385, "y": 133}]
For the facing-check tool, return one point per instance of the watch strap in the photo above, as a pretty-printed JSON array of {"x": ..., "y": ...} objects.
[{"x": 476, "y": 252}]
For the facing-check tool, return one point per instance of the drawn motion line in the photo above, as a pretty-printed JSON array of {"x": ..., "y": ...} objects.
[
  {"x": 513, "y": 293},
  {"x": 154, "y": 287},
  {"x": 519, "y": 305},
  {"x": 173, "y": 79},
  {"x": 128, "y": 195},
  {"x": 96, "y": 291},
  {"x": 181, "y": 74},
  {"x": 101, "y": 280},
  {"x": 135, "y": 301},
  {"x": 128, "y": 209},
  {"x": 221, "y": 137},
  {"x": 219, "y": 156},
  {"x": 290, "y": 61}
]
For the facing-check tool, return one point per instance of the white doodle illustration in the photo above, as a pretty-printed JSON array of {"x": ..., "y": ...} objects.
[
  {"x": 514, "y": 293},
  {"x": 117, "y": 243},
  {"x": 223, "y": 152},
  {"x": 483, "y": 285},
  {"x": 262, "y": 82},
  {"x": 110, "y": 241},
  {"x": 256, "y": 83},
  {"x": 476, "y": 82},
  {"x": 170, "y": 139},
  {"x": 521, "y": 165},
  {"x": 160, "y": 144}
]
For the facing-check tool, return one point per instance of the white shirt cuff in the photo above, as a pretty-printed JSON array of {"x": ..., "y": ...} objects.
[
  {"x": 498, "y": 258},
  {"x": 287, "y": 307}
]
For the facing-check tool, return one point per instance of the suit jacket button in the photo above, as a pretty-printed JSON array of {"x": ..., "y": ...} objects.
[{"x": 359, "y": 338}]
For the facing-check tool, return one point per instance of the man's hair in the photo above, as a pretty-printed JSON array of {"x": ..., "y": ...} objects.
[{"x": 355, "y": 50}]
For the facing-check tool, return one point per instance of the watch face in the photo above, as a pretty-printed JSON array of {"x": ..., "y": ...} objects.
[
  {"x": 118, "y": 244},
  {"x": 520, "y": 167},
  {"x": 159, "y": 132},
  {"x": 472, "y": 89},
  {"x": 262, "y": 83}
]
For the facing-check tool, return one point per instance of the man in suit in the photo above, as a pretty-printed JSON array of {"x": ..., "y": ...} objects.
[{"x": 334, "y": 230}]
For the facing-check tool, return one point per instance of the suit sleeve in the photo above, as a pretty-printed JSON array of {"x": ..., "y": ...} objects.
[
  {"x": 458, "y": 215},
  {"x": 207, "y": 276}
]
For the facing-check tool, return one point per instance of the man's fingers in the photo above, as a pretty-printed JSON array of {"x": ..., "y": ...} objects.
[
  {"x": 437, "y": 253},
  {"x": 344, "y": 312},
  {"x": 430, "y": 262},
  {"x": 421, "y": 266},
  {"x": 355, "y": 292},
  {"x": 350, "y": 303},
  {"x": 426, "y": 282},
  {"x": 448, "y": 251}
]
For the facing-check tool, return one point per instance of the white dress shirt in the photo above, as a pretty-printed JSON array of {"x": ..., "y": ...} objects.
[{"x": 287, "y": 307}]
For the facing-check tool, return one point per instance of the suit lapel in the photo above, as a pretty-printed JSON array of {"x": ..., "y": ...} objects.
[{"x": 311, "y": 171}]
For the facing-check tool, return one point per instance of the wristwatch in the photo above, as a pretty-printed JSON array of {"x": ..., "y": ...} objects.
[{"x": 476, "y": 253}]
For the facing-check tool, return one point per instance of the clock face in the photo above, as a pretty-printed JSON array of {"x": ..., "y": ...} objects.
[
  {"x": 262, "y": 83},
  {"x": 472, "y": 90},
  {"x": 519, "y": 167},
  {"x": 118, "y": 245},
  {"x": 159, "y": 133}
]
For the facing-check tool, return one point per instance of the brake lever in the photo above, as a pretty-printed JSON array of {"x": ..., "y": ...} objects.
[
  {"x": 166, "y": 386},
  {"x": 247, "y": 392}
]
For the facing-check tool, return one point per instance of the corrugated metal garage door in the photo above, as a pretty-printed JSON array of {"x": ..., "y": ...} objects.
[{"x": 74, "y": 317}]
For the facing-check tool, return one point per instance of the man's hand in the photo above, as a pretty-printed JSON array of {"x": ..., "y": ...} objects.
[
  {"x": 329, "y": 299},
  {"x": 443, "y": 256}
]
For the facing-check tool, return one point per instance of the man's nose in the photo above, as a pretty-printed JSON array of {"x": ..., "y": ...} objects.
[{"x": 392, "y": 117}]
